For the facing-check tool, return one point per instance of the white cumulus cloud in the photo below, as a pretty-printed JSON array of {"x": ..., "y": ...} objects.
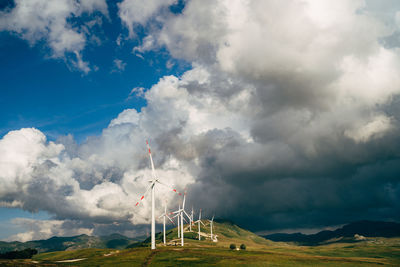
[{"x": 36, "y": 20}]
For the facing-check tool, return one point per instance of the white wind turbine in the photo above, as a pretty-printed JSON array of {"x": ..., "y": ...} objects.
[
  {"x": 211, "y": 227},
  {"x": 179, "y": 214},
  {"x": 152, "y": 187},
  {"x": 199, "y": 221},
  {"x": 178, "y": 219},
  {"x": 165, "y": 215}
]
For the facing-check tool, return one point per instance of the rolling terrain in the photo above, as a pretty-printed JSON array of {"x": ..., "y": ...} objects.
[{"x": 372, "y": 251}]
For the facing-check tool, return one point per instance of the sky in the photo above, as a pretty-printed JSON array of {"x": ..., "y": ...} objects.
[{"x": 277, "y": 115}]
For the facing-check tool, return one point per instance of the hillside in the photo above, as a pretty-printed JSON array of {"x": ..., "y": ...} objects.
[
  {"x": 344, "y": 234},
  {"x": 225, "y": 233},
  {"x": 55, "y": 243}
]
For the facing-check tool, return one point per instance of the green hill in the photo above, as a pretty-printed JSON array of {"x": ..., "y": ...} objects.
[{"x": 225, "y": 233}]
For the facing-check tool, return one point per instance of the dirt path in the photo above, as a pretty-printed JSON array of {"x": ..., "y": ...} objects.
[{"x": 148, "y": 259}]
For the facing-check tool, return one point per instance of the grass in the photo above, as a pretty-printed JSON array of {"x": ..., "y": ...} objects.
[
  {"x": 259, "y": 252},
  {"x": 222, "y": 256},
  {"x": 205, "y": 253}
]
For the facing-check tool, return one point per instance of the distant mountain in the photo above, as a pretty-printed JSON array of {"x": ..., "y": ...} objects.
[
  {"x": 347, "y": 232},
  {"x": 55, "y": 243}
]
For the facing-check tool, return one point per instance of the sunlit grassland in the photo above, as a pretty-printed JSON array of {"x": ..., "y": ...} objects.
[
  {"x": 259, "y": 252},
  {"x": 197, "y": 253}
]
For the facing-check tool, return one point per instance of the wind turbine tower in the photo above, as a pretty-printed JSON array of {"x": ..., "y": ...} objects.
[
  {"x": 165, "y": 215},
  {"x": 199, "y": 221},
  {"x": 211, "y": 227},
  {"x": 179, "y": 213},
  {"x": 191, "y": 220},
  {"x": 153, "y": 182},
  {"x": 179, "y": 221}
]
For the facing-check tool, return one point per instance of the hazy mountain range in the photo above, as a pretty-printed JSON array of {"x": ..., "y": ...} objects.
[
  {"x": 345, "y": 233},
  {"x": 71, "y": 243}
]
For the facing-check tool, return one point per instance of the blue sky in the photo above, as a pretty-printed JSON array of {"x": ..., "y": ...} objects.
[
  {"x": 292, "y": 102},
  {"x": 41, "y": 92}
]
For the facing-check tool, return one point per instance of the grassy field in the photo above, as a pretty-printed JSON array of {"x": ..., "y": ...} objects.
[
  {"x": 259, "y": 252},
  {"x": 371, "y": 253}
]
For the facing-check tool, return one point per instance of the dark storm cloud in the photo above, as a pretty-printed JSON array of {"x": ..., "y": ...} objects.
[{"x": 288, "y": 118}]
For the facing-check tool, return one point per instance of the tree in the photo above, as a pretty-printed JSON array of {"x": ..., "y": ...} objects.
[
  {"x": 19, "y": 254},
  {"x": 242, "y": 246},
  {"x": 232, "y": 246}
]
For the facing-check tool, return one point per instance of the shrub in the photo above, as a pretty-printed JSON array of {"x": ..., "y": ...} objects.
[
  {"x": 242, "y": 246},
  {"x": 232, "y": 246}
]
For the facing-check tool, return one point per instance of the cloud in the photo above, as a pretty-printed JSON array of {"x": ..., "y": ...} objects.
[
  {"x": 287, "y": 96},
  {"x": 373, "y": 129},
  {"x": 21, "y": 151},
  {"x": 287, "y": 119},
  {"x": 119, "y": 65},
  {"x": 39, "y": 20},
  {"x": 44, "y": 229},
  {"x": 136, "y": 12},
  {"x": 84, "y": 185}
]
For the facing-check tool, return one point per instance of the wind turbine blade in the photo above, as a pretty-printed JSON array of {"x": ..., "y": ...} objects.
[
  {"x": 184, "y": 219},
  {"x": 187, "y": 215},
  {"x": 161, "y": 215},
  {"x": 153, "y": 171},
  {"x": 142, "y": 197},
  {"x": 170, "y": 187},
  {"x": 170, "y": 219},
  {"x": 202, "y": 223}
]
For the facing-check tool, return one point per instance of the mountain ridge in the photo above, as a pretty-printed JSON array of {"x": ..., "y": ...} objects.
[
  {"x": 363, "y": 228},
  {"x": 56, "y": 243}
]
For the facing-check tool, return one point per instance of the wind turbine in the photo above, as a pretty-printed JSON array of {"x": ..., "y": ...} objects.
[
  {"x": 190, "y": 217},
  {"x": 179, "y": 221},
  {"x": 199, "y": 221},
  {"x": 179, "y": 214},
  {"x": 152, "y": 187},
  {"x": 165, "y": 215},
  {"x": 211, "y": 227}
]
